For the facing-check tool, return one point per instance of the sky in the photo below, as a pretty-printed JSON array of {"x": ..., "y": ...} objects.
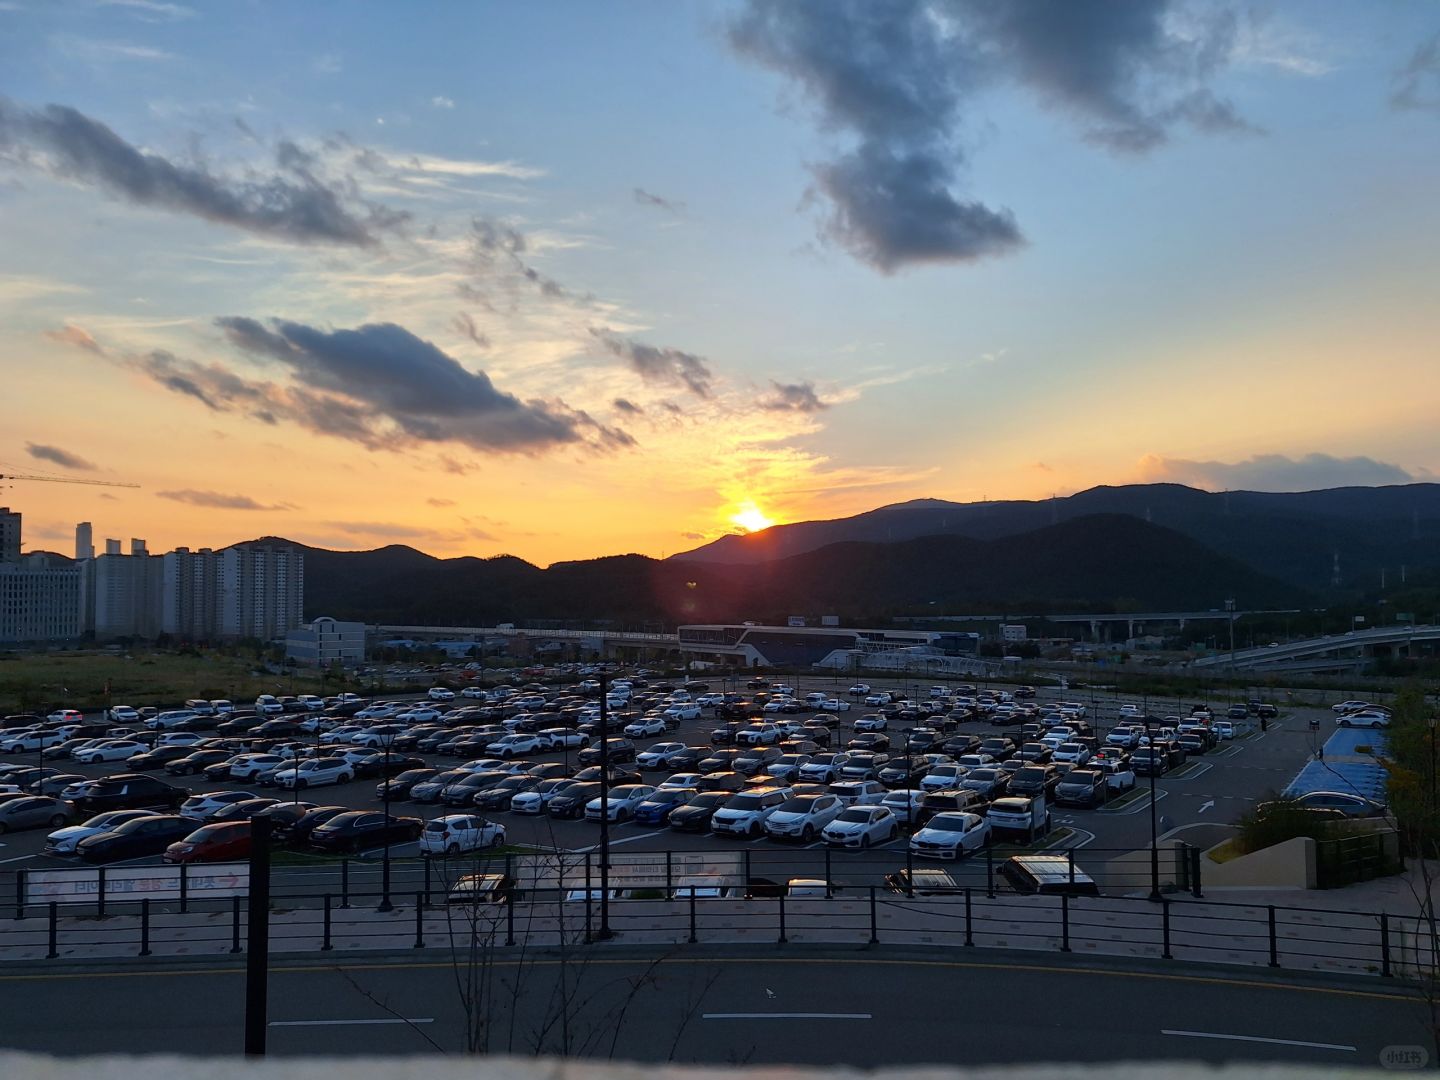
[{"x": 573, "y": 279}]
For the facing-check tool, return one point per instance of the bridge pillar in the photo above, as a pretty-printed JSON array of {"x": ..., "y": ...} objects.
[{"x": 1094, "y": 630}]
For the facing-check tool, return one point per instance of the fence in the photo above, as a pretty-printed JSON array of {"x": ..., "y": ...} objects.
[{"x": 556, "y": 900}]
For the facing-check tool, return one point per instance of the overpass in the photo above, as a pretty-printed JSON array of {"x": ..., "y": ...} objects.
[{"x": 1332, "y": 652}]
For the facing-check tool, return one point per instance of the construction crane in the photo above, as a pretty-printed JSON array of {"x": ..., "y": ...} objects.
[{"x": 65, "y": 480}]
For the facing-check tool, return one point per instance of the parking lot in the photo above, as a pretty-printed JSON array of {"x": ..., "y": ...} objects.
[{"x": 1194, "y": 801}]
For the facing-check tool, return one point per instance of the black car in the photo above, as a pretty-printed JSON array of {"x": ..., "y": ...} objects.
[
  {"x": 923, "y": 740},
  {"x": 242, "y": 811},
  {"x": 282, "y": 816},
  {"x": 196, "y": 760},
  {"x": 398, "y": 787},
  {"x": 570, "y": 803},
  {"x": 376, "y": 767},
  {"x": 1081, "y": 787},
  {"x": 592, "y": 774},
  {"x": 719, "y": 761},
  {"x": 499, "y": 795},
  {"x": 298, "y": 834},
  {"x": 1034, "y": 781},
  {"x": 1193, "y": 743},
  {"x": 463, "y": 789},
  {"x": 219, "y": 770},
  {"x": 240, "y": 724},
  {"x": 695, "y": 815},
  {"x": 356, "y": 830},
  {"x": 616, "y": 752},
  {"x": 869, "y": 740},
  {"x": 143, "y": 836},
  {"x": 999, "y": 747},
  {"x": 158, "y": 757},
  {"x": 899, "y": 773},
  {"x": 127, "y": 791},
  {"x": 1148, "y": 762}
]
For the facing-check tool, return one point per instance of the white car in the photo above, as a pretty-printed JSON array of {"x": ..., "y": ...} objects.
[
  {"x": 171, "y": 719},
  {"x": 681, "y": 780},
  {"x": 377, "y": 736},
  {"x": 1073, "y": 752},
  {"x": 473, "y": 692},
  {"x": 757, "y": 735},
  {"x": 123, "y": 714},
  {"x": 180, "y": 738},
  {"x": 224, "y": 706},
  {"x": 802, "y": 817},
  {"x": 440, "y": 693},
  {"x": 1364, "y": 718},
  {"x": 659, "y": 755},
  {"x": 381, "y": 710},
  {"x": 250, "y": 766},
  {"x": 1350, "y": 706},
  {"x": 880, "y": 698},
  {"x": 515, "y": 744},
  {"x": 904, "y": 803},
  {"x": 706, "y": 701},
  {"x": 110, "y": 750},
  {"x": 315, "y": 772},
  {"x": 455, "y": 833},
  {"x": 872, "y": 722},
  {"x": 64, "y": 841},
  {"x": 861, "y": 826},
  {"x": 31, "y": 740},
  {"x": 944, "y": 777},
  {"x": 66, "y": 716},
  {"x": 823, "y": 768},
  {"x": 646, "y": 726},
  {"x": 268, "y": 704},
  {"x": 860, "y": 689},
  {"x": 859, "y": 792},
  {"x": 562, "y": 738},
  {"x": 621, "y": 802},
  {"x": 835, "y": 704},
  {"x": 745, "y": 812},
  {"x": 418, "y": 714},
  {"x": 200, "y": 807},
  {"x": 684, "y": 710},
  {"x": 535, "y": 800},
  {"x": 951, "y": 836}
]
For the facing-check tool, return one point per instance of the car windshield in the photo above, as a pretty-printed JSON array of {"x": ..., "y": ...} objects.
[
  {"x": 1030, "y": 775},
  {"x": 799, "y": 805},
  {"x": 854, "y": 815},
  {"x": 744, "y": 802},
  {"x": 948, "y": 823}
]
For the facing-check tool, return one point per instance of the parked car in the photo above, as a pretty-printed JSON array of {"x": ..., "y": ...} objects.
[
  {"x": 660, "y": 803},
  {"x": 454, "y": 834},
  {"x": 1081, "y": 787},
  {"x": 356, "y": 830},
  {"x": 314, "y": 772},
  {"x": 219, "y": 842},
  {"x": 126, "y": 791},
  {"x": 149, "y": 835},
  {"x": 861, "y": 826},
  {"x": 1047, "y": 875},
  {"x": 803, "y": 817},
  {"x": 63, "y": 841},
  {"x": 695, "y": 815},
  {"x": 951, "y": 836},
  {"x": 1021, "y": 817},
  {"x": 33, "y": 812},
  {"x": 200, "y": 807}
]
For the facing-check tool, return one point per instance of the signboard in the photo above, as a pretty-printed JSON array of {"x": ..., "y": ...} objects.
[
  {"x": 634, "y": 870},
  {"x": 202, "y": 880}
]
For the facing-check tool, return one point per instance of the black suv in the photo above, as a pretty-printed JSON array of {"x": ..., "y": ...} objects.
[
  {"x": 127, "y": 791},
  {"x": 1081, "y": 787}
]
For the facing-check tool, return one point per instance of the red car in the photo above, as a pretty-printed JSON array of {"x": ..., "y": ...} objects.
[{"x": 214, "y": 843}]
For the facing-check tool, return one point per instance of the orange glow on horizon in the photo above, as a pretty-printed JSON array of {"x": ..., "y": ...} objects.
[{"x": 751, "y": 518}]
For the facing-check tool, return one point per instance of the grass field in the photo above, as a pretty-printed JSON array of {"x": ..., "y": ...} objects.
[{"x": 77, "y": 680}]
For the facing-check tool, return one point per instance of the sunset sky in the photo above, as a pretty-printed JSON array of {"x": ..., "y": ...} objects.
[{"x": 570, "y": 279}]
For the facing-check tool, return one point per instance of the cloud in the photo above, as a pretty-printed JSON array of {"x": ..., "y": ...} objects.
[
  {"x": 793, "y": 397},
  {"x": 440, "y": 502},
  {"x": 1273, "y": 472},
  {"x": 497, "y": 248},
  {"x": 293, "y": 203},
  {"x": 214, "y": 500},
  {"x": 327, "y": 63},
  {"x": 625, "y": 405},
  {"x": 1417, "y": 84},
  {"x": 646, "y": 198},
  {"x": 381, "y": 384},
  {"x": 96, "y": 51},
  {"x": 151, "y": 10},
  {"x": 440, "y": 101},
  {"x": 659, "y": 365},
  {"x": 57, "y": 456},
  {"x": 466, "y": 325},
  {"x": 897, "y": 77},
  {"x": 74, "y": 335}
]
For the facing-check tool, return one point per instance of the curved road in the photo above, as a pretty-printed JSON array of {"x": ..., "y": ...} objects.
[{"x": 742, "y": 1006}]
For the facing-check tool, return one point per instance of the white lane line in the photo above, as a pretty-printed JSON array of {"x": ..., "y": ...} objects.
[
  {"x": 17, "y": 858},
  {"x": 785, "y": 1016},
  {"x": 348, "y": 1023},
  {"x": 1257, "y": 1039},
  {"x": 614, "y": 843}
]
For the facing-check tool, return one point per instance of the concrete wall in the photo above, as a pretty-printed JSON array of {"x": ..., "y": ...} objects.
[{"x": 1290, "y": 865}]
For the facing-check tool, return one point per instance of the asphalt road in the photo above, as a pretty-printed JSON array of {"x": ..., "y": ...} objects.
[
  {"x": 1214, "y": 790},
  {"x": 827, "y": 1009}
]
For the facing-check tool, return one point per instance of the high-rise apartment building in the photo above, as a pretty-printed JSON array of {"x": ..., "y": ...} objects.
[
  {"x": 262, "y": 591},
  {"x": 190, "y": 604},
  {"x": 125, "y": 593},
  {"x": 9, "y": 535}
]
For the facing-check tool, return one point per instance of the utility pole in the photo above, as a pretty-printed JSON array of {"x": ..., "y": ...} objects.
[{"x": 257, "y": 947}]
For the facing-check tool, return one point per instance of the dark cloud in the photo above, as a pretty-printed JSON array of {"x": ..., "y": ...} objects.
[
  {"x": 74, "y": 335},
  {"x": 351, "y": 378},
  {"x": 218, "y": 501},
  {"x": 1273, "y": 472},
  {"x": 625, "y": 405},
  {"x": 1417, "y": 84},
  {"x": 466, "y": 325},
  {"x": 897, "y": 75},
  {"x": 56, "y": 456},
  {"x": 499, "y": 251},
  {"x": 294, "y": 203},
  {"x": 659, "y": 365},
  {"x": 793, "y": 397},
  {"x": 647, "y": 198}
]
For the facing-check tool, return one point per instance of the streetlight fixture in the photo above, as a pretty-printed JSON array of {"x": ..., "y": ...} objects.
[{"x": 1154, "y": 827}]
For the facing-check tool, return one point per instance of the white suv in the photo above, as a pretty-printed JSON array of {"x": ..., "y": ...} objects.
[
  {"x": 803, "y": 816},
  {"x": 313, "y": 772},
  {"x": 746, "y": 812}
]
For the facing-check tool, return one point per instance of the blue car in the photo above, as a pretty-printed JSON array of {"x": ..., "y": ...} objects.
[{"x": 656, "y": 809}]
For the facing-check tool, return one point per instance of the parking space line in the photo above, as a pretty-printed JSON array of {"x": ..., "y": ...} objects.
[
  {"x": 346, "y": 1023},
  {"x": 786, "y": 1016},
  {"x": 1257, "y": 1039}
]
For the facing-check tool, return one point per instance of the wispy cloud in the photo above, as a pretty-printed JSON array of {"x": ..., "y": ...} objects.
[
  {"x": 667, "y": 365},
  {"x": 1417, "y": 83},
  {"x": 20, "y": 288},
  {"x": 57, "y": 456},
  {"x": 793, "y": 397},
  {"x": 647, "y": 198},
  {"x": 95, "y": 50},
  {"x": 1273, "y": 472},
  {"x": 151, "y": 10},
  {"x": 440, "y": 101},
  {"x": 215, "y": 500}
]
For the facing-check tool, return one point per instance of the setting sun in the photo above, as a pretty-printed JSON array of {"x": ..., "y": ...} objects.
[{"x": 750, "y": 518}]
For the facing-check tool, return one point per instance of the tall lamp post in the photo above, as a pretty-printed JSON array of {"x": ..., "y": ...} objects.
[
  {"x": 605, "y": 932},
  {"x": 385, "y": 904},
  {"x": 1154, "y": 827}
]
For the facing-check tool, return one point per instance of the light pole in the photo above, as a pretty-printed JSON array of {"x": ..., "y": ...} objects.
[
  {"x": 385, "y": 904},
  {"x": 1230, "y": 610},
  {"x": 1154, "y": 829},
  {"x": 605, "y": 932}
]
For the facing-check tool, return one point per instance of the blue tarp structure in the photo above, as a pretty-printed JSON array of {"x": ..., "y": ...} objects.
[{"x": 1345, "y": 767}]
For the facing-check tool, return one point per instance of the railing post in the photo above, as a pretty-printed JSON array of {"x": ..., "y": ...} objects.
[
  {"x": 829, "y": 881},
  {"x": 510, "y": 918},
  {"x": 669, "y": 873},
  {"x": 54, "y": 951},
  {"x": 746, "y": 854},
  {"x": 588, "y": 912},
  {"x": 1195, "y": 872},
  {"x": 100, "y": 894},
  {"x": 184, "y": 888},
  {"x": 1070, "y": 859},
  {"x": 426, "y": 860},
  {"x": 1165, "y": 928},
  {"x": 874, "y": 921},
  {"x": 145, "y": 926},
  {"x": 325, "y": 944},
  {"x": 344, "y": 883},
  {"x": 1384, "y": 945},
  {"x": 783, "y": 939},
  {"x": 1274, "y": 944},
  {"x": 19, "y": 894},
  {"x": 235, "y": 924},
  {"x": 1064, "y": 922},
  {"x": 693, "y": 937},
  {"x": 969, "y": 926},
  {"x": 419, "y": 920},
  {"x": 990, "y": 871}
]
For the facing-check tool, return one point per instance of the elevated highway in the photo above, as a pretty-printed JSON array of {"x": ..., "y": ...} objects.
[{"x": 1333, "y": 652}]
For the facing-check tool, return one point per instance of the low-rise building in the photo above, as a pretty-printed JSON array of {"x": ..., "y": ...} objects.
[{"x": 325, "y": 641}]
